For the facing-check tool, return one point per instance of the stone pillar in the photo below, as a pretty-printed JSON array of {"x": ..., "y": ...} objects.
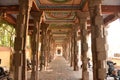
[
  {"x": 43, "y": 56},
  {"x": 54, "y": 48},
  {"x": 19, "y": 57},
  {"x": 75, "y": 48},
  {"x": 48, "y": 46},
  {"x": 66, "y": 49},
  {"x": 98, "y": 40},
  {"x": 63, "y": 49},
  {"x": 84, "y": 44},
  {"x": 72, "y": 49},
  {"x": 35, "y": 44},
  {"x": 69, "y": 50},
  {"x": 51, "y": 48}
]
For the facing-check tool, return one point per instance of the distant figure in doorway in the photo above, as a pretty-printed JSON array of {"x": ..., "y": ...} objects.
[{"x": 59, "y": 51}]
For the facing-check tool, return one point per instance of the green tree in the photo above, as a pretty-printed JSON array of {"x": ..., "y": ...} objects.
[{"x": 7, "y": 34}]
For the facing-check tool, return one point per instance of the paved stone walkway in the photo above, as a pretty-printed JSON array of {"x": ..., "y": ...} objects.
[{"x": 59, "y": 69}]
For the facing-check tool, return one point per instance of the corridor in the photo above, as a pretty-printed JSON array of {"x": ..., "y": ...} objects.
[{"x": 59, "y": 69}]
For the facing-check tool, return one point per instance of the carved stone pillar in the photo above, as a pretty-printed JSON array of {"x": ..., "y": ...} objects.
[
  {"x": 51, "y": 48},
  {"x": 72, "y": 49},
  {"x": 84, "y": 44},
  {"x": 69, "y": 50},
  {"x": 65, "y": 49},
  {"x": 35, "y": 44},
  {"x": 75, "y": 48},
  {"x": 43, "y": 56},
  {"x": 98, "y": 40},
  {"x": 48, "y": 46},
  {"x": 19, "y": 57},
  {"x": 54, "y": 48}
]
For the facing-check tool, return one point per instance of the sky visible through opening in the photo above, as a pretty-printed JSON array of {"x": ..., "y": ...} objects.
[{"x": 113, "y": 38}]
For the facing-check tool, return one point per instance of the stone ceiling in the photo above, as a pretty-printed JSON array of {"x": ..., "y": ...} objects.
[{"x": 60, "y": 14}]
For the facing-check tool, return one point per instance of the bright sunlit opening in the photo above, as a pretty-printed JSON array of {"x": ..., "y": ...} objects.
[{"x": 113, "y": 38}]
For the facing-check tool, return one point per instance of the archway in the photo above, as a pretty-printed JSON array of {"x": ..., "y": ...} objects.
[{"x": 113, "y": 40}]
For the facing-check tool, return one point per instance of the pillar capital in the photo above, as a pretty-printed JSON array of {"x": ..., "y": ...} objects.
[
  {"x": 49, "y": 32},
  {"x": 44, "y": 24},
  {"x": 118, "y": 14},
  {"x": 28, "y": 2},
  {"x": 94, "y": 2},
  {"x": 80, "y": 14},
  {"x": 25, "y": 5},
  {"x": 37, "y": 15}
]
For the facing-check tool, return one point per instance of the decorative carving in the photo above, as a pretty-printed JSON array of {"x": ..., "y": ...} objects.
[
  {"x": 59, "y": 15},
  {"x": 59, "y": 1}
]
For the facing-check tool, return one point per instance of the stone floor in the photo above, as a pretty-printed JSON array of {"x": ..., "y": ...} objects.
[{"x": 59, "y": 69}]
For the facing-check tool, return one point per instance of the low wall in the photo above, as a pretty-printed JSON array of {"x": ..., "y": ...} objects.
[{"x": 5, "y": 53}]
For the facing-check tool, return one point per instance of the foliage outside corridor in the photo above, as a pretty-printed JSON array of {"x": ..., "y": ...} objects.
[{"x": 7, "y": 34}]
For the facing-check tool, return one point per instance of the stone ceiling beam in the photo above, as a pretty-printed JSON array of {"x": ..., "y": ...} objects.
[
  {"x": 13, "y": 9},
  {"x": 9, "y": 19},
  {"x": 108, "y": 9}
]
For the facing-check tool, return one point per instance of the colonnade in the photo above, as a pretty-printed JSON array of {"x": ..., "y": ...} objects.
[{"x": 42, "y": 34}]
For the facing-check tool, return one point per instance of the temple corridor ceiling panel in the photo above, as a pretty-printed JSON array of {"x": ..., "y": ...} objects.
[
  {"x": 59, "y": 15},
  {"x": 8, "y": 2},
  {"x": 61, "y": 4},
  {"x": 111, "y": 2},
  {"x": 56, "y": 2}
]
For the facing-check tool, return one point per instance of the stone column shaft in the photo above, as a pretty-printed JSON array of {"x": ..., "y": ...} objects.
[
  {"x": 98, "y": 40},
  {"x": 35, "y": 45},
  {"x": 43, "y": 56},
  {"x": 48, "y": 46},
  {"x": 84, "y": 43},
  {"x": 51, "y": 48},
  {"x": 84, "y": 48},
  {"x": 72, "y": 46},
  {"x": 20, "y": 40},
  {"x": 75, "y": 48},
  {"x": 69, "y": 49}
]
